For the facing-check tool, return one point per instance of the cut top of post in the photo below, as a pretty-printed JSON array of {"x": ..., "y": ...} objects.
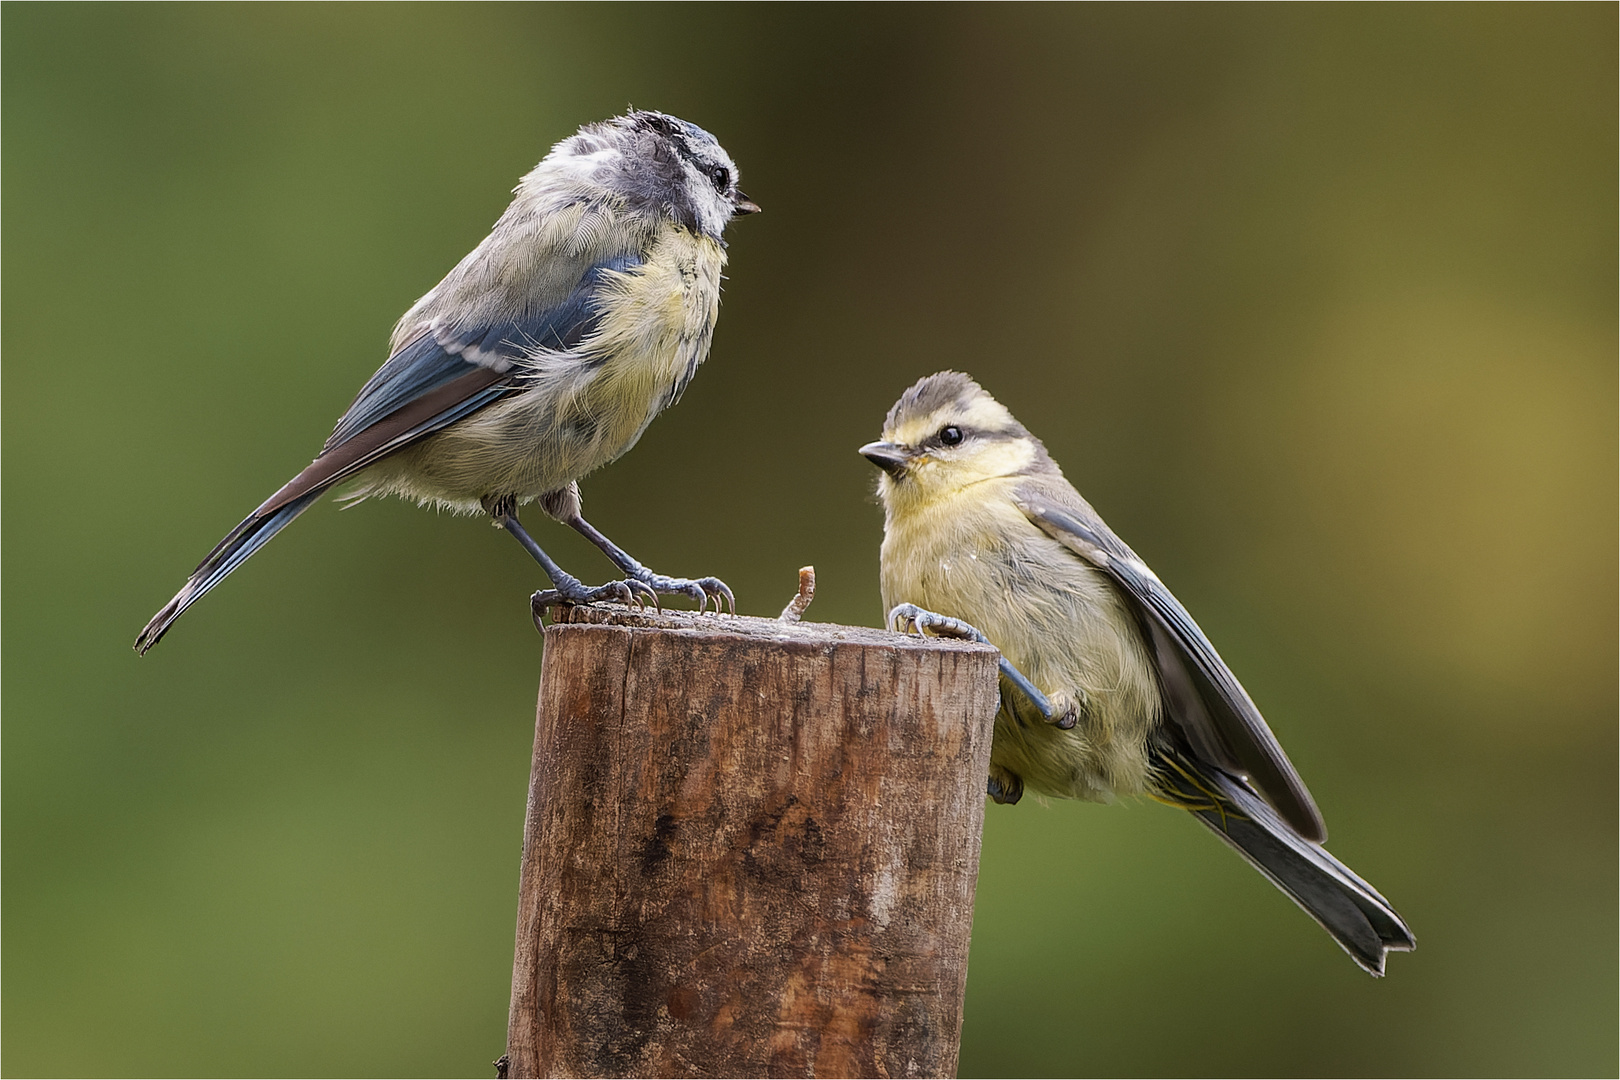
[{"x": 753, "y": 627}]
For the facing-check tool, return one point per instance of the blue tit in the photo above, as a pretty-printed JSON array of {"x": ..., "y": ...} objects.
[
  {"x": 1109, "y": 687},
  {"x": 543, "y": 355}
]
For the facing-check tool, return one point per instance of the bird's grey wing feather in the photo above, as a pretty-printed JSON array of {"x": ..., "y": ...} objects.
[
  {"x": 445, "y": 351},
  {"x": 1206, "y": 702},
  {"x": 443, "y": 374}
]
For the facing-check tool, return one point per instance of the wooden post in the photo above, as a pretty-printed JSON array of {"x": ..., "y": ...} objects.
[{"x": 751, "y": 849}]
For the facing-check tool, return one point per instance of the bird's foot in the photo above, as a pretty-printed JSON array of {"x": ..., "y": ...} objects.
[
  {"x": 909, "y": 618},
  {"x": 922, "y": 621},
  {"x": 1003, "y": 786},
  {"x": 571, "y": 591},
  {"x": 1065, "y": 709},
  {"x": 699, "y": 590}
]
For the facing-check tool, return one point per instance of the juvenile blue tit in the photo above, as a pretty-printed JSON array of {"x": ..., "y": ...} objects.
[
  {"x": 543, "y": 355},
  {"x": 1109, "y": 687}
]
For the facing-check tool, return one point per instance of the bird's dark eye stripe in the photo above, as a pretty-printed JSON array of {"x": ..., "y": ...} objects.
[{"x": 964, "y": 433}]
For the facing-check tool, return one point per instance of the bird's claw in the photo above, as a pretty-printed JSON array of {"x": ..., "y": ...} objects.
[
  {"x": 643, "y": 594},
  {"x": 1064, "y": 710},
  {"x": 922, "y": 621},
  {"x": 721, "y": 591},
  {"x": 699, "y": 590},
  {"x": 1003, "y": 786}
]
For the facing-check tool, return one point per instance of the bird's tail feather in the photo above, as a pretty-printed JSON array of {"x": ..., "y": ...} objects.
[
  {"x": 1350, "y": 910},
  {"x": 242, "y": 541}
]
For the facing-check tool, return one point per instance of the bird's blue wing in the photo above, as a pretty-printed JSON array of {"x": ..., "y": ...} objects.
[
  {"x": 446, "y": 351},
  {"x": 446, "y": 372},
  {"x": 1206, "y": 701}
]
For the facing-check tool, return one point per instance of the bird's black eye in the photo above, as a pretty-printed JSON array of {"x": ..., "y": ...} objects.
[
  {"x": 721, "y": 177},
  {"x": 950, "y": 436}
]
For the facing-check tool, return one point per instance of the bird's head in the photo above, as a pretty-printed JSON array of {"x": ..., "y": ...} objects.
[
  {"x": 658, "y": 164},
  {"x": 946, "y": 434}
]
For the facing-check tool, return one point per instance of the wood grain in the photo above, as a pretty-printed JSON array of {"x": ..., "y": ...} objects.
[{"x": 751, "y": 849}]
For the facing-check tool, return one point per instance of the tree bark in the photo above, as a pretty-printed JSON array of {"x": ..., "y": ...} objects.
[{"x": 751, "y": 849}]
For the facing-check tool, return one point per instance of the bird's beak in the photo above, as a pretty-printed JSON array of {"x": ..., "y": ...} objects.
[
  {"x": 888, "y": 456},
  {"x": 741, "y": 204}
]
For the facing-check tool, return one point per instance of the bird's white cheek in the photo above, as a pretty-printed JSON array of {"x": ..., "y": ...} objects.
[{"x": 1004, "y": 459}]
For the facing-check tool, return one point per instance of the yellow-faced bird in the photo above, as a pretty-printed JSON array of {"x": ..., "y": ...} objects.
[
  {"x": 543, "y": 355},
  {"x": 1109, "y": 687}
]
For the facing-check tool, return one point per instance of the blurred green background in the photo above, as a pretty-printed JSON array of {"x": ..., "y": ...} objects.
[{"x": 1316, "y": 304}]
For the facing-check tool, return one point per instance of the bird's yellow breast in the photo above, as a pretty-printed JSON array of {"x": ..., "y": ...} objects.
[{"x": 656, "y": 321}]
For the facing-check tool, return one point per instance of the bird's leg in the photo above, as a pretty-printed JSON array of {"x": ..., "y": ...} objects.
[
  {"x": 923, "y": 621},
  {"x": 701, "y": 590},
  {"x": 566, "y": 589}
]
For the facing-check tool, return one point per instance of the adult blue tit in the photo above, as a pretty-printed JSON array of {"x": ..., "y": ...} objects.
[
  {"x": 1109, "y": 686},
  {"x": 543, "y": 355}
]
